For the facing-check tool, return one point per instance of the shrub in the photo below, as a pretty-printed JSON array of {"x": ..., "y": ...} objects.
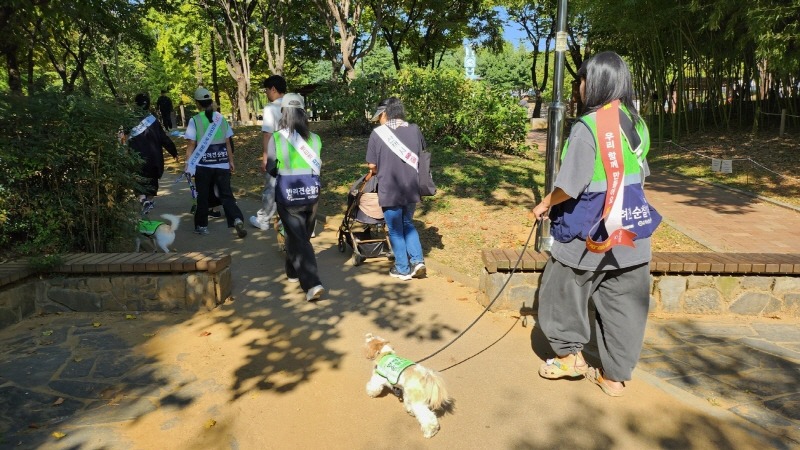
[
  {"x": 67, "y": 183},
  {"x": 449, "y": 109}
]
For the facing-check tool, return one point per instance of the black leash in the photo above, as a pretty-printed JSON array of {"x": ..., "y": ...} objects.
[{"x": 525, "y": 247}]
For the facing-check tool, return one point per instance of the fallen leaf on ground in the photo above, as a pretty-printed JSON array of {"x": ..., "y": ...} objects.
[
  {"x": 210, "y": 423},
  {"x": 130, "y": 317},
  {"x": 59, "y": 401},
  {"x": 47, "y": 332},
  {"x": 205, "y": 333},
  {"x": 148, "y": 334},
  {"x": 58, "y": 434},
  {"x": 96, "y": 324}
]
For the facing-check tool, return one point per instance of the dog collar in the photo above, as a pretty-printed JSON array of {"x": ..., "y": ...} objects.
[{"x": 392, "y": 366}]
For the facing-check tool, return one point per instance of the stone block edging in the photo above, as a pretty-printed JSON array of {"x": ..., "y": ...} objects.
[
  {"x": 132, "y": 282},
  {"x": 767, "y": 286}
]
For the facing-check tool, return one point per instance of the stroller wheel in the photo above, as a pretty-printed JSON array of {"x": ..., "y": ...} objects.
[{"x": 358, "y": 259}]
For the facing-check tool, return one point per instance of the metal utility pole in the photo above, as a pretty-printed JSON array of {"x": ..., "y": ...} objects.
[{"x": 555, "y": 124}]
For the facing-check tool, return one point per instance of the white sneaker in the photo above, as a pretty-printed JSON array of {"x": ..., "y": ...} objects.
[
  {"x": 254, "y": 222},
  {"x": 419, "y": 271},
  {"x": 293, "y": 280},
  {"x": 315, "y": 293}
]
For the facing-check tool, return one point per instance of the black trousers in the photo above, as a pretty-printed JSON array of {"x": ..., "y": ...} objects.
[
  {"x": 166, "y": 119},
  {"x": 301, "y": 262},
  {"x": 205, "y": 178}
]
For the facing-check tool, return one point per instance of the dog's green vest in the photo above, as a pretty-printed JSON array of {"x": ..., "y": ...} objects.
[
  {"x": 148, "y": 227},
  {"x": 392, "y": 366}
]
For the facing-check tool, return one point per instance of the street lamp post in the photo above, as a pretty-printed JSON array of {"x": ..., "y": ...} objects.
[{"x": 555, "y": 123}]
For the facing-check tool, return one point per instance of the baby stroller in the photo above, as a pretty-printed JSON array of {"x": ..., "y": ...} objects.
[{"x": 363, "y": 227}]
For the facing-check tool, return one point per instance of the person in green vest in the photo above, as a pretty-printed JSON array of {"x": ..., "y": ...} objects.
[
  {"x": 293, "y": 158},
  {"x": 209, "y": 157},
  {"x": 601, "y": 225}
]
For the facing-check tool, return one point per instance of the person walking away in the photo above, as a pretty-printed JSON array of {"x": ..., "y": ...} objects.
[
  {"x": 293, "y": 159},
  {"x": 165, "y": 108},
  {"x": 275, "y": 87},
  {"x": 209, "y": 157},
  {"x": 601, "y": 225},
  {"x": 392, "y": 155},
  {"x": 148, "y": 139}
]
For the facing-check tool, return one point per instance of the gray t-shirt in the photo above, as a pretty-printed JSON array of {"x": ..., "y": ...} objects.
[
  {"x": 398, "y": 183},
  {"x": 573, "y": 178}
]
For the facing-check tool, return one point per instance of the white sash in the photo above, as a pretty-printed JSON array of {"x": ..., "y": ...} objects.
[
  {"x": 139, "y": 129},
  {"x": 399, "y": 149},
  {"x": 204, "y": 143},
  {"x": 305, "y": 150}
]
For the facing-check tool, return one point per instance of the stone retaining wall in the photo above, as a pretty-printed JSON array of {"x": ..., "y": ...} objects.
[
  {"x": 757, "y": 296},
  {"x": 191, "y": 291}
]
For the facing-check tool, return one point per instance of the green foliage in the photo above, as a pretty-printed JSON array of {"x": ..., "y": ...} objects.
[
  {"x": 509, "y": 70},
  {"x": 67, "y": 183},
  {"x": 41, "y": 263},
  {"x": 449, "y": 109}
]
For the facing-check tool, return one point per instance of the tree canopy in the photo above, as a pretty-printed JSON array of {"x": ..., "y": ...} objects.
[{"x": 723, "y": 55}]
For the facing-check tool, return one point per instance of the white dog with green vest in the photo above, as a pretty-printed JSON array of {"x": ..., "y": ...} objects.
[
  {"x": 161, "y": 234},
  {"x": 422, "y": 389}
]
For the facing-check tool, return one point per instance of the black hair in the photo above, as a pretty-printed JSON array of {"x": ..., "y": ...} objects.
[
  {"x": 393, "y": 108},
  {"x": 276, "y": 81},
  {"x": 294, "y": 119},
  {"x": 208, "y": 105},
  {"x": 607, "y": 79},
  {"x": 142, "y": 100}
]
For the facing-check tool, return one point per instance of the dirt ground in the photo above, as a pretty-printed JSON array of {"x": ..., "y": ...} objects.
[{"x": 269, "y": 370}]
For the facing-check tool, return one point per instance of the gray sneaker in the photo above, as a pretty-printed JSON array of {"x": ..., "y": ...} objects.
[
  {"x": 419, "y": 270},
  {"x": 201, "y": 230},
  {"x": 239, "y": 225}
]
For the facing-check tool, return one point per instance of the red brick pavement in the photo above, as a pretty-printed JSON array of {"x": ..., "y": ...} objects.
[{"x": 723, "y": 220}]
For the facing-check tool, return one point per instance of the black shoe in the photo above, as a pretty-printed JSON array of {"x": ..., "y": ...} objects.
[
  {"x": 240, "y": 231},
  {"x": 214, "y": 214}
]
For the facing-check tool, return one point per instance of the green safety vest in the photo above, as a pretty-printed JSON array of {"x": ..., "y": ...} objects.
[
  {"x": 201, "y": 124},
  {"x": 290, "y": 162},
  {"x": 392, "y": 366}
]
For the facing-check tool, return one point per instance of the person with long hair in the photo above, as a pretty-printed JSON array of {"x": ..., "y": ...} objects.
[
  {"x": 392, "y": 155},
  {"x": 601, "y": 225},
  {"x": 209, "y": 157},
  {"x": 293, "y": 158}
]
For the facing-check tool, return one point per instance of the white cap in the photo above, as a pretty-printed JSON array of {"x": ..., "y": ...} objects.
[
  {"x": 293, "y": 101},
  {"x": 202, "y": 94}
]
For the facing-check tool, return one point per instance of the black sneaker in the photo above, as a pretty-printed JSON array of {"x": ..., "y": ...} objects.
[
  {"x": 214, "y": 214},
  {"x": 402, "y": 276},
  {"x": 239, "y": 225}
]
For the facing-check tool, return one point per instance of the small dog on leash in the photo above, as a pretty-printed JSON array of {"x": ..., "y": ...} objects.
[
  {"x": 422, "y": 389},
  {"x": 160, "y": 234}
]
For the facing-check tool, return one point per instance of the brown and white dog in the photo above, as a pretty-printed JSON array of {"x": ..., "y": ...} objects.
[
  {"x": 160, "y": 234},
  {"x": 423, "y": 390}
]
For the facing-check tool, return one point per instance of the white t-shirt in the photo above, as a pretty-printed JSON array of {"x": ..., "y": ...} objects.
[{"x": 271, "y": 116}]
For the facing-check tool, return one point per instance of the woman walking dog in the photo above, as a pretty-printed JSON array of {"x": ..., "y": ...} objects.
[{"x": 601, "y": 225}]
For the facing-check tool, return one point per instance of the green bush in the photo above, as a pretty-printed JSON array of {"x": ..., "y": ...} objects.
[
  {"x": 67, "y": 183},
  {"x": 449, "y": 109}
]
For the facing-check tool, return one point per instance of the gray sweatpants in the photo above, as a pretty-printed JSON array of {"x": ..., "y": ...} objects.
[{"x": 622, "y": 300}]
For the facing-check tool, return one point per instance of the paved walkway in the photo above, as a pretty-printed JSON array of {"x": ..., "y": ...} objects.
[
  {"x": 724, "y": 220},
  {"x": 269, "y": 370}
]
